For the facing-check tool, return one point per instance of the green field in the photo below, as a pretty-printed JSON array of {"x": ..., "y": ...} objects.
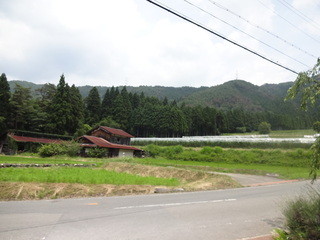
[
  {"x": 281, "y": 133},
  {"x": 79, "y": 175}
]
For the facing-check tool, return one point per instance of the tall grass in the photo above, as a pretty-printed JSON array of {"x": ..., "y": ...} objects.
[
  {"x": 260, "y": 145},
  {"x": 77, "y": 175},
  {"x": 289, "y": 158}
]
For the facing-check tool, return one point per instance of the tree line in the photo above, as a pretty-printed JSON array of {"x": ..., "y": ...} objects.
[{"x": 62, "y": 110}]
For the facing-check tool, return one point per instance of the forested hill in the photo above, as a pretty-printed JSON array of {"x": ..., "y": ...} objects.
[
  {"x": 232, "y": 94},
  {"x": 171, "y": 93},
  {"x": 242, "y": 94}
]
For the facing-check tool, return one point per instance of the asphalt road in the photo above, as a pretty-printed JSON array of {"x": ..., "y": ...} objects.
[{"x": 222, "y": 215}]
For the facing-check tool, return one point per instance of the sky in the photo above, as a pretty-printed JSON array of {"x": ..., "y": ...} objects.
[{"x": 134, "y": 43}]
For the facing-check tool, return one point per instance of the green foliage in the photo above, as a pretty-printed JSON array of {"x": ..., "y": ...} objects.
[
  {"x": 302, "y": 218},
  {"x": 241, "y": 129},
  {"x": 22, "y": 107},
  {"x": 315, "y": 159},
  {"x": 5, "y": 103},
  {"x": 307, "y": 84},
  {"x": 316, "y": 126},
  {"x": 93, "y": 107},
  {"x": 80, "y": 175},
  {"x": 245, "y": 145},
  {"x": 67, "y": 148},
  {"x": 153, "y": 150},
  {"x": 264, "y": 128},
  {"x": 295, "y": 158},
  {"x": 97, "y": 152},
  {"x": 281, "y": 235},
  {"x": 82, "y": 130},
  {"x": 52, "y": 149}
]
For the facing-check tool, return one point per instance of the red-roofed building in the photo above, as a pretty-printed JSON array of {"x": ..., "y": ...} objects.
[
  {"x": 115, "y": 140},
  {"x": 20, "y": 141},
  {"x": 112, "y": 135}
]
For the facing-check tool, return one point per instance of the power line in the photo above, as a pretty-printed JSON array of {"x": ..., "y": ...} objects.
[
  {"x": 298, "y": 13},
  {"x": 289, "y": 22},
  {"x": 261, "y": 28},
  {"x": 217, "y": 34},
  {"x": 266, "y": 44}
]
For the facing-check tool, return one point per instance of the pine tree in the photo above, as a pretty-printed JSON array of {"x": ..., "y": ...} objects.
[
  {"x": 60, "y": 109},
  {"x": 5, "y": 102},
  {"x": 22, "y": 108},
  {"x": 93, "y": 107},
  {"x": 77, "y": 110}
]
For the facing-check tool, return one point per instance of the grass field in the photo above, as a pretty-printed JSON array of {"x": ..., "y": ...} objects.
[
  {"x": 258, "y": 169},
  {"x": 80, "y": 175},
  {"x": 281, "y": 133}
]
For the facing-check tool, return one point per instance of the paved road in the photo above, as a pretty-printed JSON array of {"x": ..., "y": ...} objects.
[{"x": 222, "y": 215}]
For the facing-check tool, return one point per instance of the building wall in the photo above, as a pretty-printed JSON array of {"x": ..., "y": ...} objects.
[{"x": 125, "y": 153}]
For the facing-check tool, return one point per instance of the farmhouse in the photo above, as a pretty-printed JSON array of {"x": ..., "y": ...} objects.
[{"x": 115, "y": 141}]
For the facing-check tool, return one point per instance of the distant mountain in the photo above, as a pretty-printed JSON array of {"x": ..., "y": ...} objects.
[
  {"x": 242, "y": 94},
  {"x": 232, "y": 94},
  {"x": 171, "y": 93}
]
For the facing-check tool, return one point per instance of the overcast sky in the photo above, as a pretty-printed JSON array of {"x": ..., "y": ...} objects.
[{"x": 132, "y": 42}]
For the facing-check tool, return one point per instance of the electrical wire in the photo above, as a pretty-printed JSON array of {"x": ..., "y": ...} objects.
[
  {"x": 299, "y": 13},
  {"x": 249, "y": 35},
  {"x": 217, "y": 34},
  {"x": 261, "y": 28},
  {"x": 291, "y": 24}
]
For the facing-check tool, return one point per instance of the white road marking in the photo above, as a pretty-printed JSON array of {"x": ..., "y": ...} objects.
[{"x": 175, "y": 204}]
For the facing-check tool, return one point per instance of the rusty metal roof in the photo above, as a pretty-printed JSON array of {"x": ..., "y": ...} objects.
[
  {"x": 34, "y": 140},
  {"x": 115, "y": 131},
  {"x": 104, "y": 143}
]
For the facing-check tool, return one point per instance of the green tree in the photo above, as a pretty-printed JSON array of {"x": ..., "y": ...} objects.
[
  {"x": 264, "y": 128},
  {"x": 22, "y": 107},
  {"x": 5, "y": 102},
  {"x": 60, "y": 109},
  {"x": 93, "y": 107},
  {"x": 308, "y": 85},
  {"x": 77, "y": 110}
]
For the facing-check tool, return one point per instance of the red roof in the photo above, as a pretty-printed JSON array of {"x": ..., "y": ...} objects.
[
  {"x": 104, "y": 143},
  {"x": 116, "y": 131},
  {"x": 34, "y": 140}
]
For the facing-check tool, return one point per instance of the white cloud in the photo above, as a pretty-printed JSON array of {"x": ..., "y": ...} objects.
[{"x": 130, "y": 42}]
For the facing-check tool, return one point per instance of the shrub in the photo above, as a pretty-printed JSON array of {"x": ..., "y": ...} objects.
[
  {"x": 207, "y": 150},
  {"x": 69, "y": 148},
  {"x": 97, "y": 152},
  {"x": 302, "y": 217},
  {"x": 316, "y": 126},
  {"x": 51, "y": 149},
  {"x": 153, "y": 150},
  {"x": 264, "y": 128},
  {"x": 241, "y": 129}
]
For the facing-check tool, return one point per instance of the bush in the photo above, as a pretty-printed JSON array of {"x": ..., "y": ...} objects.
[
  {"x": 97, "y": 152},
  {"x": 69, "y": 148},
  {"x": 153, "y": 150},
  {"x": 264, "y": 128},
  {"x": 316, "y": 126},
  {"x": 241, "y": 129},
  {"x": 302, "y": 218},
  {"x": 51, "y": 149}
]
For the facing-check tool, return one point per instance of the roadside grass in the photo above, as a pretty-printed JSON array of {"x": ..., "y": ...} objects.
[
  {"x": 255, "y": 169},
  {"x": 80, "y": 175},
  {"x": 25, "y": 159}
]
